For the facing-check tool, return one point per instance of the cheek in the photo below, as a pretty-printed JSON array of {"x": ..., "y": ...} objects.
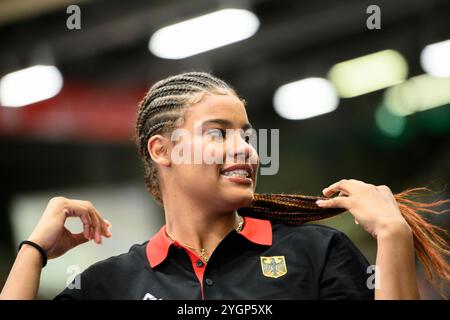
[
  {"x": 213, "y": 152},
  {"x": 254, "y": 154},
  {"x": 196, "y": 179}
]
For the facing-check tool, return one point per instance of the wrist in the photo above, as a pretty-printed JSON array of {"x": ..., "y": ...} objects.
[
  {"x": 394, "y": 230},
  {"x": 31, "y": 254},
  {"x": 37, "y": 240},
  {"x": 29, "y": 244}
]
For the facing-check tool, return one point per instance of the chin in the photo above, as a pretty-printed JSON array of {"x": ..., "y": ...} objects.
[{"x": 238, "y": 199}]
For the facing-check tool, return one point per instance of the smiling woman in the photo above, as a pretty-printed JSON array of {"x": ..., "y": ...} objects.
[{"x": 221, "y": 239}]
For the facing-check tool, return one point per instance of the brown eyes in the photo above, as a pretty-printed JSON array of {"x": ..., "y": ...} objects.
[
  {"x": 220, "y": 133},
  {"x": 215, "y": 133}
]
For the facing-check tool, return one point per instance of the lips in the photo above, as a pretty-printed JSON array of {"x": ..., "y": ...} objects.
[
  {"x": 245, "y": 170},
  {"x": 238, "y": 173}
]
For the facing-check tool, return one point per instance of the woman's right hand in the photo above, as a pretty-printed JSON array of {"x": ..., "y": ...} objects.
[{"x": 51, "y": 234}]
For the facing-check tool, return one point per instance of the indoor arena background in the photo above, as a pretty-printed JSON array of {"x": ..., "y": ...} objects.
[{"x": 370, "y": 101}]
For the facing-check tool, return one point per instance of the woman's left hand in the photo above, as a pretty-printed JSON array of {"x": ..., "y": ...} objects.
[{"x": 374, "y": 207}]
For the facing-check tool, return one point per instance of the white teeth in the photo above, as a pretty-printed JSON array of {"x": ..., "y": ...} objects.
[{"x": 236, "y": 173}]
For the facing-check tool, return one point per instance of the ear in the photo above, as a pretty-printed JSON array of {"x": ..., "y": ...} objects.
[{"x": 158, "y": 148}]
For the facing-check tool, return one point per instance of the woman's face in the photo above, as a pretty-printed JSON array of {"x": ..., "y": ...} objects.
[{"x": 222, "y": 166}]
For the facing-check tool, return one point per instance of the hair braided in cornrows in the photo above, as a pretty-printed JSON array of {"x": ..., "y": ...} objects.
[{"x": 163, "y": 106}]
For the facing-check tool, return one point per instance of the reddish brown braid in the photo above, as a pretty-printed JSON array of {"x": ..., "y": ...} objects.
[
  {"x": 429, "y": 240},
  {"x": 163, "y": 106}
]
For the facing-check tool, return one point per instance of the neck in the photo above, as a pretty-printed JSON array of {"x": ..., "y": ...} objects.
[{"x": 197, "y": 226}]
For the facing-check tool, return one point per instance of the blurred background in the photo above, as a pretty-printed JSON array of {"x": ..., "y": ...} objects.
[{"x": 358, "y": 90}]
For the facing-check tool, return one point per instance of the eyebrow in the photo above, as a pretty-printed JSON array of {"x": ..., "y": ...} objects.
[{"x": 226, "y": 123}]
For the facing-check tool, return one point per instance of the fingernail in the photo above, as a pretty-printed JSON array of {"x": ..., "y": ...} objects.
[{"x": 319, "y": 202}]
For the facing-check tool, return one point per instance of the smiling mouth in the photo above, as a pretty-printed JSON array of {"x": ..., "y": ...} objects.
[{"x": 239, "y": 174}]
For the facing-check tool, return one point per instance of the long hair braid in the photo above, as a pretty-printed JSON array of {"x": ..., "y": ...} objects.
[
  {"x": 163, "y": 106},
  {"x": 430, "y": 241}
]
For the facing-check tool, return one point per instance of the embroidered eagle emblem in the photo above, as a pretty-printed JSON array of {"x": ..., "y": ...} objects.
[{"x": 273, "y": 267}]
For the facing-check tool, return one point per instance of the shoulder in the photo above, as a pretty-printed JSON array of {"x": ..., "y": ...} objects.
[
  {"x": 314, "y": 239},
  {"x": 108, "y": 278},
  {"x": 135, "y": 258},
  {"x": 308, "y": 232}
]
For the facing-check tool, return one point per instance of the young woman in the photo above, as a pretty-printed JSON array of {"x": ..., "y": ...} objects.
[{"x": 223, "y": 241}]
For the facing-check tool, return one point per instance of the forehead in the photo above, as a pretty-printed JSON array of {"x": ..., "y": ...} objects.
[{"x": 221, "y": 106}]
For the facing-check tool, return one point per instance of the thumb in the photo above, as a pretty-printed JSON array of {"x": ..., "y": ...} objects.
[{"x": 78, "y": 239}]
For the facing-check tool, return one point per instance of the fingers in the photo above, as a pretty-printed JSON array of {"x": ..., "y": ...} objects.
[
  {"x": 101, "y": 226},
  {"x": 103, "y": 223},
  {"x": 78, "y": 239},
  {"x": 87, "y": 222},
  {"x": 76, "y": 210},
  {"x": 336, "y": 202},
  {"x": 108, "y": 225},
  {"x": 348, "y": 186},
  {"x": 93, "y": 226},
  {"x": 342, "y": 185},
  {"x": 97, "y": 226},
  {"x": 343, "y": 200},
  {"x": 352, "y": 195}
]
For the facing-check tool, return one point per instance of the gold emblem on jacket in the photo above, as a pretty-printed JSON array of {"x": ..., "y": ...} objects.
[{"x": 273, "y": 267}]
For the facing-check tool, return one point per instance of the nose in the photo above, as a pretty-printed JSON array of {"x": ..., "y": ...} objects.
[{"x": 239, "y": 150}]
